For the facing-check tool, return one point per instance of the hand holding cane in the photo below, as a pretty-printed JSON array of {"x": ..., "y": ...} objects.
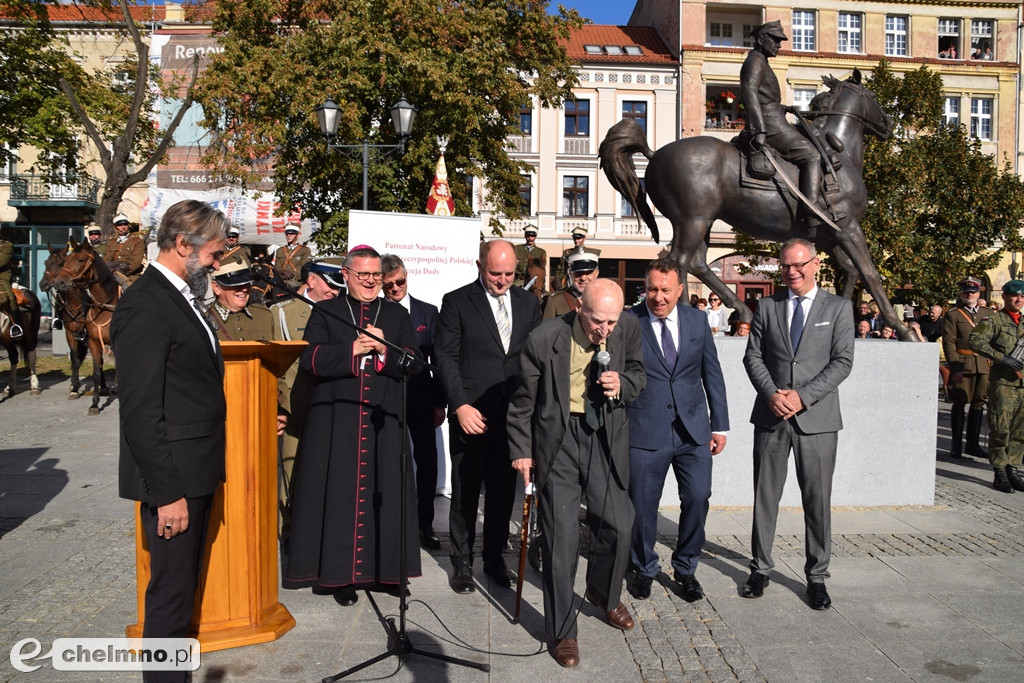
[{"x": 524, "y": 538}]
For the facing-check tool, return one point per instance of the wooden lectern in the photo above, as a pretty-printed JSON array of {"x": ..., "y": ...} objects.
[{"x": 236, "y": 603}]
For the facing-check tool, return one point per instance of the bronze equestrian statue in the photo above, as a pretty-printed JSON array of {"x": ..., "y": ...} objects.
[{"x": 695, "y": 181}]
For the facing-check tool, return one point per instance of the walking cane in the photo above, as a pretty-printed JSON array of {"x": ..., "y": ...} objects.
[{"x": 524, "y": 539}]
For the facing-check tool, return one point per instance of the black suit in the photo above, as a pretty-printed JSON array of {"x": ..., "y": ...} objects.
[
  {"x": 425, "y": 394},
  {"x": 572, "y": 459},
  {"x": 476, "y": 370},
  {"x": 172, "y": 410}
]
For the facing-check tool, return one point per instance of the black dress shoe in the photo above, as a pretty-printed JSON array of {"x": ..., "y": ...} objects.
[
  {"x": 462, "y": 578},
  {"x": 346, "y": 597},
  {"x": 499, "y": 573},
  {"x": 642, "y": 587},
  {"x": 818, "y": 596},
  {"x": 755, "y": 585},
  {"x": 688, "y": 583},
  {"x": 429, "y": 540}
]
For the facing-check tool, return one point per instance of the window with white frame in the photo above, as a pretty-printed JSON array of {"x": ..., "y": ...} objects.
[
  {"x": 802, "y": 98},
  {"x": 10, "y": 168},
  {"x": 949, "y": 38},
  {"x": 803, "y": 30},
  {"x": 849, "y": 32},
  {"x": 575, "y": 195},
  {"x": 982, "y": 39},
  {"x": 577, "y": 118},
  {"x": 626, "y": 209},
  {"x": 951, "y": 111},
  {"x": 981, "y": 118},
  {"x": 526, "y": 119},
  {"x": 525, "y": 195},
  {"x": 720, "y": 33},
  {"x": 896, "y": 35}
]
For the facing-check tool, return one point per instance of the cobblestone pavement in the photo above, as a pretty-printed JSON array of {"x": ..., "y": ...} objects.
[{"x": 67, "y": 568}]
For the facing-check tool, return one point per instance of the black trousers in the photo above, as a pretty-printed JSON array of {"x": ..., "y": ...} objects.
[
  {"x": 480, "y": 460},
  {"x": 174, "y": 575},
  {"x": 424, "y": 453}
]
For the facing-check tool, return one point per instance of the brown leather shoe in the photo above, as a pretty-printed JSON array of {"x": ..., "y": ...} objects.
[
  {"x": 566, "y": 652},
  {"x": 618, "y": 617}
]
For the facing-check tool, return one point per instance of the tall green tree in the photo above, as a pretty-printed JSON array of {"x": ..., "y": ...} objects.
[
  {"x": 467, "y": 66},
  {"x": 51, "y": 102},
  {"x": 940, "y": 209}
]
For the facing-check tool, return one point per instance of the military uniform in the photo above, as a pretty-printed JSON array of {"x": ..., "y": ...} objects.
[
  {"x": 563, "y": 265},
  {"x": 957, "y": 326},
  {"x": 288, "y": 262},
  {"x": 994, "y": 338},
  {"x": 524, "y": 256},
  {"x": 252, "y": 323},
  {"x": 561, "y": 302},
  {"x": 100, "y": 248},
  {"x": 7, "y": 304},
  {"x": 238, "y": 254},
  {"x": 294, "y": 392},
  {"x": 128, "y": 250}
]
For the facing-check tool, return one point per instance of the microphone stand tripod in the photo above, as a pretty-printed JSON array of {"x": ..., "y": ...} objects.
[{"x": 399, "y": 644}]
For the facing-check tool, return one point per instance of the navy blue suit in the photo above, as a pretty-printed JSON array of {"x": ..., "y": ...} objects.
[
  {"x": 669, "y": 425},
  {"x": 425, "y": 393}
]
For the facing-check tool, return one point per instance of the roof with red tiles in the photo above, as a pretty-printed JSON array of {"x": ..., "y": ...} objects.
[
  {"x": 71, "y": 14},
  {"x": 652, "y": 48}
]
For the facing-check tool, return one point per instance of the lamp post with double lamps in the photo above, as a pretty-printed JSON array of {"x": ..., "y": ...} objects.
[{"x": 402, "y": 116}]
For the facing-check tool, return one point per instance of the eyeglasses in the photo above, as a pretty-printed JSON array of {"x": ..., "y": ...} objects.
[
  {"x": 795, "y": 266},
  {"x": 713, "y": 299},
  {"x": 395, "y": 283},
  {"x": 363, "y": 277}
]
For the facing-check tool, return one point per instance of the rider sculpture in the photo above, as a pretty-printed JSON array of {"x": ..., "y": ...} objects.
[{"x": 766, "y": 117}]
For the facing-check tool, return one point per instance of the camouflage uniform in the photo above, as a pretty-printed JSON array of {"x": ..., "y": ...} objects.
[{"x": 994, "y": 337}]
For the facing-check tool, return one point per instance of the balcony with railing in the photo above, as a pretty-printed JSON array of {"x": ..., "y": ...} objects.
[{"x": 81, "y": 191}]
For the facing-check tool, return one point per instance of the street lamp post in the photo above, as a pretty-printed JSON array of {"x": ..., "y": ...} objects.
[{"x": 402, "y": 116}]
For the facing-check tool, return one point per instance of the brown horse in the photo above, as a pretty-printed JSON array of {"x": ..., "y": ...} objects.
[
  {"x": 535, "y": 273},
  {"x": 62, "y": 303},
  {"x": 697, "y": 180},
  {"x": 88, "y": 294},
  {"x": 28, "y": 316}
]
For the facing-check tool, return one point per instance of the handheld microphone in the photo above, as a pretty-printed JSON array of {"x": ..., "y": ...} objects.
[{"x": 604, "y": 363}]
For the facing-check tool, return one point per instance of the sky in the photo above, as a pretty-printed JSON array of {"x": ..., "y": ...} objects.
[{"x": 601, "y": 11}]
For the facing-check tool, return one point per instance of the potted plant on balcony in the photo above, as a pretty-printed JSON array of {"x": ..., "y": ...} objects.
[{"x": 728, "y": 97}]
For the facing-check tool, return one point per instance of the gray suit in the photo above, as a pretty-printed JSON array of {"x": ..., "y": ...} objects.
[
  {"x": 822, "y": 360},
  {"x": 571, "y": 459}
]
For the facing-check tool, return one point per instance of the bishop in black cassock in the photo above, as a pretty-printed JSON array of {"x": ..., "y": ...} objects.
[{"x": 346, "y": 511}]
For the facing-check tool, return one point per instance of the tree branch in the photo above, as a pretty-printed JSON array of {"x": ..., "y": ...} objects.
[{"x": 168, "y": 136}]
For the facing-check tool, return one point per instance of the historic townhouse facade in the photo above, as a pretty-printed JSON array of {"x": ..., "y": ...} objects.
[{"x": 975, "y": 47}]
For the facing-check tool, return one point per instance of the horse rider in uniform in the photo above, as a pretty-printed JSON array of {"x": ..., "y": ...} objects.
[
  {"x": 766, "y": 117},
  {"x": 289, "y": 259},
  {"x": 579, "y": 241},
  {"x": 968, "y": 372},
  {"x": 582, "y": 271},
  {"x": 94, "y": 233},
  {"x": 125, "y": 252},
  {"x": 323, "y": 281},
  {"x": 233, "y": 251},
  {"x": 527, "y": 254},
  {"x": 995, "y": 337},
  {"x": 232, "y": 316},
  {"x": 7, "y": 302}
]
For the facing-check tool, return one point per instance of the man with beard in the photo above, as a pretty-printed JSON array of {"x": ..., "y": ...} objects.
[
  {"x": 231, "y": 314},
  {"x": 346, "y": 512},
  {"x": 172, "y": 412},
  {"x": 582, "y": 271}
]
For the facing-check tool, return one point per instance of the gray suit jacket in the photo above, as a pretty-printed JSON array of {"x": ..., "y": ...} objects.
[
  {"x": 538, "y": 415},
  {"x": 823, "y": 360}
]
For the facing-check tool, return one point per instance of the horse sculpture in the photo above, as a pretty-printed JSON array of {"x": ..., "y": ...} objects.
[
  {"x": 86, "y": 293},
  {"x": 28, "y": 316},
  {"x": 697, "y": 180}
]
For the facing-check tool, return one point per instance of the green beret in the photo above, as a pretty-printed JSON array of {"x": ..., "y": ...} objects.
[{"x": 1014, "y": 287}]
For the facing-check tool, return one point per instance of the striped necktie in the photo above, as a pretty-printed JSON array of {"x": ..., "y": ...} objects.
[{"x": 504, "y": 324}]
